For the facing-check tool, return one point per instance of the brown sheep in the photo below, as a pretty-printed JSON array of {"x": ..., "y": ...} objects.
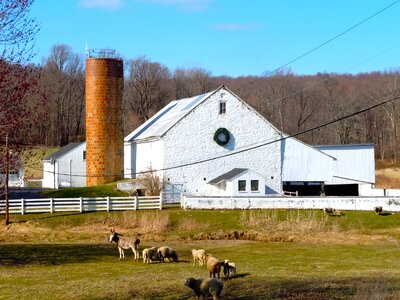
[
  {"x": 213, "y": 266},
  {"x": 203, "y": 288}
]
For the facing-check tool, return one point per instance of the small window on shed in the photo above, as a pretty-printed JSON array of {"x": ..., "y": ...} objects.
[
  {"x": 222, "y": 107},
  {"x": 84, "y": 155},
  {"x": 254, "y": 185},
  {"x": 242, "y": 185}
]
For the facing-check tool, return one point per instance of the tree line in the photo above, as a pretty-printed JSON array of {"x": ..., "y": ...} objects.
[
  {"x": 292, "y": 103},
  {"x": 54, "y": 108}
]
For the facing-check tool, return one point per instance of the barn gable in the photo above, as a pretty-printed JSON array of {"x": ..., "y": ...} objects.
[{"x": 191, "y": 142}]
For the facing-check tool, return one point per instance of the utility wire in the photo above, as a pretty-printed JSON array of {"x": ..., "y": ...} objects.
[{"x": 334, "y": 38}]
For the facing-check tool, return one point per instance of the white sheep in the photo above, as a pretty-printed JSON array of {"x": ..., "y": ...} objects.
[
  {"x": 213, "y": 265},
  {"x": 229, "y": 268},
  {"x": 166, "y": 252},
  {"x": 205, "y": 287},
  {"x": 200, "y": 256},
  {"x": 150, "y": 254}
]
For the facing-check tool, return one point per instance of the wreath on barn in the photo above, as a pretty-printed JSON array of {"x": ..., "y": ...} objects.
[{"x": 222, "y": 136}]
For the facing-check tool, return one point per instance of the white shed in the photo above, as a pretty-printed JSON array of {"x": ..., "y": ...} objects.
[
  {"x": 65, "y": 167},
  {"x": 15, "y": 174}
]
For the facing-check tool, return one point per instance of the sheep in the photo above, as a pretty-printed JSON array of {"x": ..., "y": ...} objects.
[
  {"x": 213, "y": 266},
  {"x": 229, "y": 268},
  {"x": 200, "y": 256},
  {"x": 166, "y": 252},
  {"x": 150, "y": 254},
  {"x": 203, "y": 288},
  {"x": 378, "y": 210},
  {"x": 332, "y": 212},
  {"x": 125, "y": 243}
]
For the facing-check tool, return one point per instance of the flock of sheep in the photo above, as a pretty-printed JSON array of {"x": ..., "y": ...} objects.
[{"x": 202, "y": 287}]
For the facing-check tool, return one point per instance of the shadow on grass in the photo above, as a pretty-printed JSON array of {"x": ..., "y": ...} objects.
[
  {"x": 56, "y": 254},
  {"x": 46, "y": 216},
  {"x": 239, "y": 275},
  {"x": 321, "y": 289}
]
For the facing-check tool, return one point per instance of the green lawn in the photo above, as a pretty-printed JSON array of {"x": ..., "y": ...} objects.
[{"x": 68, "y": 256}]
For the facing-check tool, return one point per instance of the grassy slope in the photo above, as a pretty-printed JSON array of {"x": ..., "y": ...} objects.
[
  {"x": 33, "y": 161},
  {"x": 90, "y": 192},
  {"x": 68, "y": 256}
]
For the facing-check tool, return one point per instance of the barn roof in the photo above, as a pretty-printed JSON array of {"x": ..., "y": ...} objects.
[
  {"x": 166, "y": 118},
  {"x": 61, "y": 152},
  {"x": 228, "y": 175}
]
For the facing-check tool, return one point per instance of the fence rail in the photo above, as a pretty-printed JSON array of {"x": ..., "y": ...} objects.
[{"x": 54, "y": 205}]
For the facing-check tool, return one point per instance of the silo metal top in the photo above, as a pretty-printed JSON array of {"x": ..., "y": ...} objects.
[{"x": 101, "y": 53}]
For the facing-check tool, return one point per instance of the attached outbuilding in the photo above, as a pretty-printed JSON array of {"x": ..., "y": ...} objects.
[{"x": 240, "y": 182}]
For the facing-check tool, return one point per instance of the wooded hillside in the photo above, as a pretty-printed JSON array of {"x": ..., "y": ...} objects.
[{"x": 292, "y": 103}]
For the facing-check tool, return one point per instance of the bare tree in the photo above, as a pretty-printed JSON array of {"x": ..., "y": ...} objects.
[
  {"x": 63, "y": 83},
  {"x": 146, "y": 87}
]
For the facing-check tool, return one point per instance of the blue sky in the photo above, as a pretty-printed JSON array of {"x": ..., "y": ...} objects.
[{"x": 229, "y": 37}]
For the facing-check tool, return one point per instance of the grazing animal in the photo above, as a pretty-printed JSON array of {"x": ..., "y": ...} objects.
[
  {"x": 203, "y": 288},
  {"x": 200, "y": 256},
  {"x": 213, "y": 266},
  {"x": 168, "y": 253},
  {"x": 332, "y": 212},
  {"x": 125, "y": 243},
  {"x": 150, "y": 254},
  {"x": 229, "y": 268},
  {"x": 378, "y": 210}
]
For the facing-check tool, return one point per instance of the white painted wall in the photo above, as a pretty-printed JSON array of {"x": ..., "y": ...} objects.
[
  {"x": 129, "y": 160},
  {"x": 302, "y": 162},
  {"x": 68, "y": 170},
  {"x": 354, "y": 163},
  {"x": 248, "y": 176},
  {"x": 149, "y": 155},
  {"x": 278, "y": 202},
  {"x": 49, "y": 179},
  {"x": 191, "y": 140}
]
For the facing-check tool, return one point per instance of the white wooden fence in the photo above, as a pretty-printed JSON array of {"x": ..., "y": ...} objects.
[{"x": 55, "y": 205}]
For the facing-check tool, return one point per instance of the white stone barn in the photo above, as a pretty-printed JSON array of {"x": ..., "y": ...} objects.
[
  {"x": 216, "y": 144},
  {"x": 65, "y": 167}
]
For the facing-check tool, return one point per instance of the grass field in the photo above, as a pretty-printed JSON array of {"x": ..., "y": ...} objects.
[{"x": 279, "y": 255}]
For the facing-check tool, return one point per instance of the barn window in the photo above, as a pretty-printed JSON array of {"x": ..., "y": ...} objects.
[
  {"x": 242, "y": 185},
  {"x": 254, "y": 185},
  {"x": 222, "y": 107},
  {"x": 84, "y": 155}
]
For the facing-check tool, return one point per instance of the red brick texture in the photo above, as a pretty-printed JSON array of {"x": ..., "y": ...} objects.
[{"x": 104, "y": 131}]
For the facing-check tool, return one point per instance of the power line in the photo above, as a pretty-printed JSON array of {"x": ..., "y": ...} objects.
[
  {"x": 249, "y": 148},
  {"x": 335, "y": 37}
]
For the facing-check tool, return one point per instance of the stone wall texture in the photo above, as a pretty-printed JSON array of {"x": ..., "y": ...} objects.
[{"x": 104, "y": 130}]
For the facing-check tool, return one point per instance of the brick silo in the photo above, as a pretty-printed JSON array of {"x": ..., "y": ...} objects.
[{"x": 104, "y": 131}]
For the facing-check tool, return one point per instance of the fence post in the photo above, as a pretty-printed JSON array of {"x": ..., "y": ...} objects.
[
  {"x": 108, "y": 203},
  {"x": 161, "y": 199},
  {"x": 136, "y": 202},
  {"x": 80, "y": 205},
  {"x": 51, "y": 206},
  {"x": 22, "y": 206},
  {"x": 182, "y": 199}
]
